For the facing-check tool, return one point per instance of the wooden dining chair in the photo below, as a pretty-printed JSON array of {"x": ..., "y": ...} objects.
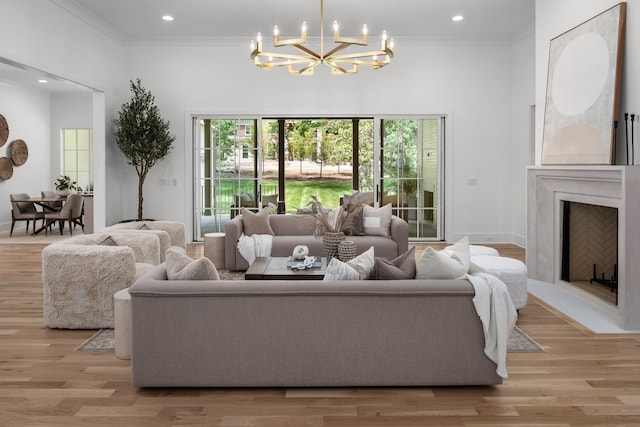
[
  {"x": 71, "y": 212},
  {"x": 24, "y": 211}
]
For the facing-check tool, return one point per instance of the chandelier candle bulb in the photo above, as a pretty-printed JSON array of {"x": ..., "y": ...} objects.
[{"x": 304, "y": 62}]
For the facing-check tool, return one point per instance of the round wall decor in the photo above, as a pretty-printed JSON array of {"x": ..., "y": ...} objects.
[
  {"x": 6, "y": 168},
  {"x": 18, "y": 152},
  {"x": 4, "y": 130}
]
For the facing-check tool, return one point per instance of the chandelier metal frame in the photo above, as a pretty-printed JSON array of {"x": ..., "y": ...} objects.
[{"x": 304, "y": 64}]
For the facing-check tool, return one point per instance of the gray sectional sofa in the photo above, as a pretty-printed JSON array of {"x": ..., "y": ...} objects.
[
  {"x": 306, "y": 334},
  {"x": 293, "y": 230}
]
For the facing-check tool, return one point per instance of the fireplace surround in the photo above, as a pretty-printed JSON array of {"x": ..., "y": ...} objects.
[{"x": 610, "y": 186}]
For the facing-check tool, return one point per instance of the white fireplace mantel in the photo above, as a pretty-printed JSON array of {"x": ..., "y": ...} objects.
[{"x": 612, "y": 186}]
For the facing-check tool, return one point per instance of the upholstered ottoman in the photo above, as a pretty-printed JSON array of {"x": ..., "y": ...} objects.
[
  {"x": 122, "y": 321},
  {"x": 511, "y": 271},
  {"x": 478, "y": 250}
]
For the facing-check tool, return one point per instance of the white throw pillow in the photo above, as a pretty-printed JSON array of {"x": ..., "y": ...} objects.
[
  {"x": 460, "y": 250},
  {"x": 182, "y": 267},
  {"x": 358, "y": 268},
  {"x": 377, "y": 221},
  {"x": 452, "y": 263}
]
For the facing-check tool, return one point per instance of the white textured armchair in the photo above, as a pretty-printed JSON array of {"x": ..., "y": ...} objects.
[
  {"x": 174, "y": 229},
  {"x": 81, "y": 274}
]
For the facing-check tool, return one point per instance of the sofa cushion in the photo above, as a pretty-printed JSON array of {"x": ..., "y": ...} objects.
[
  {"x": 256, "y": 223},
  {"x": 377, "y": 221},
  {"x": 358, "y": 268},
  {"x": 182, "y": 267},
  {"x": 446, "y": 264},
  {"x": 402, "y": 267}
]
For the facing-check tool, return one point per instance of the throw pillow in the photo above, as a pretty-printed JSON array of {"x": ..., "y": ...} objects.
[
  {"x": 358, "y": 268},
  {"x": 402, "y": 267},
  {"x": 182, "y": 267},
  {"x": 256, "y": 223},
  {"x": 449, "y": 264},
  {"x": 353, "y": 226},
  {"x": 377, "y": 221},
  {"x": 460, "y": 250}
]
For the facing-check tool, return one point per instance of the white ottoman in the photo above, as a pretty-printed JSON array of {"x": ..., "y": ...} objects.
[
  {"x": 478, "y": 250},
  {"x": 122, "y": 320},
  {"x": 511, "y": 271},
  {"x": 214, "y": 248}
]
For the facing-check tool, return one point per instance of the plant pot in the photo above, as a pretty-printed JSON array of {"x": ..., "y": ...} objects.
[
  {"x": 65, "y": 192},
  {"x": 330, "y": 242}
]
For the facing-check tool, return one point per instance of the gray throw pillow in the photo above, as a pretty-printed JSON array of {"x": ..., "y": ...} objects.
[
  {"x": 256, "y": 223},
  {"x": 182, "y": 267},
  {"x": 402, "y": 267}
]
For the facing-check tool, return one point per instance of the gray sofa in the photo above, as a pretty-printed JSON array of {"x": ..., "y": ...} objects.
[
  {"x": 306, "y": 334},
  {"x": 293, "y": 230}
]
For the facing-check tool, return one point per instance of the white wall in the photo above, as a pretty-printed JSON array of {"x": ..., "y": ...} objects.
[
  {"x": 28, "y": 115},
  {"x": 554, "y": 17},
  {"x": 470, "y": 82},
  {"x": 521, "y": 126},
  {"x": 473, "y": 82},
  {"x": 45, "y": 36},
  {"x": 68, "y": 111}
]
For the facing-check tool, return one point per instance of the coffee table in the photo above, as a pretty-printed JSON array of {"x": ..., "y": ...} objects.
[{"x": 275, "y": 268}]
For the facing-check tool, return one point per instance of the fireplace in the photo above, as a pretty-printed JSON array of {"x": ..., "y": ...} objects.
[
  {"x": 549, "y": 189},
  {"x": 589, "y": 254}
]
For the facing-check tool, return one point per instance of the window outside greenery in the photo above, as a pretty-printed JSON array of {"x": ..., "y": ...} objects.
[{"x": 318, "y": 162}]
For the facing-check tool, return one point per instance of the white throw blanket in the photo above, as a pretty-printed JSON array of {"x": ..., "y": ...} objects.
[
  {"x": 498, "y": 315},
  {"x": 256, "y": 245}
]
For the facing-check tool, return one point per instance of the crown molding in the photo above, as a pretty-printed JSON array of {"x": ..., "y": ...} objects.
[{"x": 100, "y": 25}]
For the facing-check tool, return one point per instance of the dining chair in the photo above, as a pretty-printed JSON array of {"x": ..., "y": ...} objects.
[
  {"x": 24, "y": 211},
  {"x": 71, "y": 211},
  {"x": 53, "y": 206}
]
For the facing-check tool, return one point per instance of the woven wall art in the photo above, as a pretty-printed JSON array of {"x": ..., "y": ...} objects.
[
  {"x": 4, "y": 130},
  {"x": 17, "y": 151}
]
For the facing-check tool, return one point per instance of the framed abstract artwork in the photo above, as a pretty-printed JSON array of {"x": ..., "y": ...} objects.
[{"x": 583, "y": 86}]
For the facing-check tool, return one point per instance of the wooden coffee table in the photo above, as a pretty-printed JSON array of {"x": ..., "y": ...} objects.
[{"x": 275, "y": 268}]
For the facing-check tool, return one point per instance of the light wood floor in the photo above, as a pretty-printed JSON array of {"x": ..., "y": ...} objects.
[{"x": 582, "y": 380}]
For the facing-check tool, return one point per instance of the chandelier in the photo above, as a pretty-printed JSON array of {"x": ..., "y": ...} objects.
[{"x": 304, "y": 63}]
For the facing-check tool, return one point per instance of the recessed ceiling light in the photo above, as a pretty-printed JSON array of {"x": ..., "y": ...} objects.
[
  {"x": 457, "y": 18},
  {"x": 43, "y": 81},
  {"x": 167, "y": 18}
]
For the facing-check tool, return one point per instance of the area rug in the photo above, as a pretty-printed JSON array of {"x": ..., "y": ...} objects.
[{"x": 103, "y": 342}]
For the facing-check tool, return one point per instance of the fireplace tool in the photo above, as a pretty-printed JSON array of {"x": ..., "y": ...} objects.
[
  {"x": 626, "y": 134},
  {"x": 633, "y": 160}
]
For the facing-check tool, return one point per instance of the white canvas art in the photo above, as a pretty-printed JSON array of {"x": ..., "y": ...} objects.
[{"x": 582, "y": 91}]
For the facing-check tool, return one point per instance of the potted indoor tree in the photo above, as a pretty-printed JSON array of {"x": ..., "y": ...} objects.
[{"x": 142, "y": 135}]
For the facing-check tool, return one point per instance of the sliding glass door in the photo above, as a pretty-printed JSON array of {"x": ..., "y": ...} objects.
[
  {"x": 410, "y": 171},
  {"x": 226, "y": 171},
  {"x": 281, "y": 163}
]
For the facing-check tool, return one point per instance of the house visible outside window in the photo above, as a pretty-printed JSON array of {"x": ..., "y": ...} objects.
[{"x": 77, "y": 156}]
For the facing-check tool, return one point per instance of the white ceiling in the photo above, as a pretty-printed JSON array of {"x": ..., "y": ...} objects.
[
  {"x": 132, "y": 19},
  {"x": 128, "y": 21}
]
